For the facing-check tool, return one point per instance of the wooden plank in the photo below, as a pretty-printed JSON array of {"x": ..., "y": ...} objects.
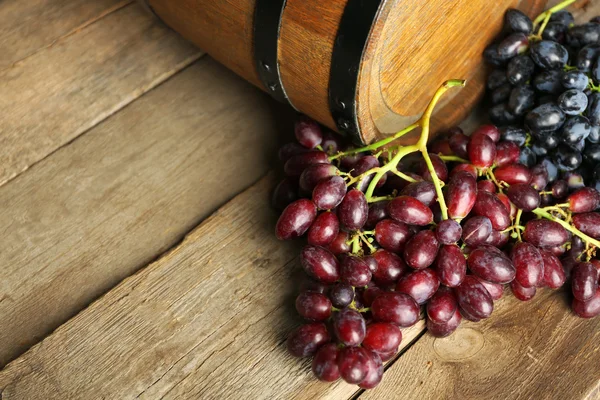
[
  {"x": 535, "y": 350},
  {"x": 107, "y": 204},
  {"x": 63, "y": 90},
  {"x": 208, "y": 320},
  {"x": 28, "y": 26}
]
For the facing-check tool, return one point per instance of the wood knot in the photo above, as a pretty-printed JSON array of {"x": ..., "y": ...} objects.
[{"x": 463, "y": 344}]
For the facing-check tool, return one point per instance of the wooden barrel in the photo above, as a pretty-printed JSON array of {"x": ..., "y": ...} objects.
[{"x": 365, "y": 68}]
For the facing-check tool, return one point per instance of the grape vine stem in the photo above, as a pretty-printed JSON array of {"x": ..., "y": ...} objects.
[
  {"x": 544, "y": 17},
  {"x": 543, "y": 213}
]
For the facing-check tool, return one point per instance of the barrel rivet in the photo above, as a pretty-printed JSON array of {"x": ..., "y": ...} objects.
[
  {"x": 340, "y": 104},
  {"x": 343, "y": 124},
  {"x": 273, "y": 86},
  {"x": 266, "y": 66}
]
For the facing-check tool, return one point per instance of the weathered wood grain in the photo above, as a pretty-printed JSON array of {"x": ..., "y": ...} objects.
[
  {"x": 100, "y": 208},
  {"x": 208, "y": 320},
  {"x": 28, "y": 26},
  {"x": 536, "y": 350},
  {"x": 61, "y": 91}
]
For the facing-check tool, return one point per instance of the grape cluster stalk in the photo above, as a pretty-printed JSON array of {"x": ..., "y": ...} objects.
[{"x": 396, "y": 233}]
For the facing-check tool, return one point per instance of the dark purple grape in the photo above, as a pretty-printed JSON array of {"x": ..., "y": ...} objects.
[
  {"x": 513, "y": 45},
  {"x": 341, "y": 295},
  {"x": 290, "y": 150},
  {"x": 593, "y": 110},
  {"x": 549, "y": 55},
  {"x": 320, "y": 264},
  {"x": 529, "y": 264},
  {"x": 285, "y": 193},
  {"x": 324, "y": 229},
  {"x": 355, "y": 271},
  {"x": 586, "y": 58},
  {"x": 442, "y": 306},
  {"x": 340, "y": 245},
  {"x": 482, "y": 150},
  {"x": 391, "y": 235},
  {"x": 575, "y": 80},
  {"x": 545, "y": 233},
  {"x": 548, "y": 82},
  {"x": 513, "y": 134},
  {"x": 315, "y": 174},
  {"x": 567, "y": 159},
  {"x": 329, "y": 194},
  {"x": 555, "y": 32},
  {"x": 438, "y": 166},
  {"x": 448, "y": 231},
  {"x": 545, "y": 118},
  {"x": 516, "y": 21},
  {"x": 539, "y": 177},
  {"x": 353, "y": 210},
  {"x": 423, "y": 191},
  {"x": 410, "y": 211},
  {"x": 377, "y": 212},
  {"x": 490, "y": 264},
  {"x": 584, "y": 34},
  {"x": 519, "y": 70},
  {"x": 506, "y": 153},
  {"x": 374, "y": 371},
  {"x": 563, "y": 17},
  {"x": 353, "y": 364},
  {"x": 371, "y": 263},
  {"x": 554, "y": 274},
  {"x": 310, "y": 285},
  {"x": 461, "y": 195},
  {"x": 473, "y": 297},
  {"x": 421, "y": 250},
  {"x": 382, "y": 337},
  {"x": 491, "y": 55},
  {"x": 572, "y": 102},
  {"x": 524, "y": 196},
  {"x": 476, "y": 230},
  {"x": 458, "y": 144},
  {"x": 396, "y": 308},
  {"x": 589, "y": 308},
  {"x": 501, "y": 115},
  {"x": 527, "y": 157},
  {"x": 584, "y": 200},
  {"x": 325, "y": 363},
  {"x": 584, "y": 281},
  {"x": 588, "y": 223},
  {"x": 445, "y": 328},
  {"x": 522, "y": 293},
  {"x": 295, "y": 219},
  {"x": 308, "y": 133},
  {"x": 349, "y": 327},
  {"x": 331, "y": 143},
  {"x": 451, "y": 265},
  {"x": 591, "y": 155},
  {"x": 489, "y": 205},
  {"x": 305, "y": 340},
  {"x": 390, "y": 267},
  {"x": 521, "y": 100},
  {"x": 420, "y": 285},
  {"x": 298, "y": 163},
  {"x": 313, "y": 306},
  {"x": 496, "y": 290},
  {"x": 495, "y": 79}
]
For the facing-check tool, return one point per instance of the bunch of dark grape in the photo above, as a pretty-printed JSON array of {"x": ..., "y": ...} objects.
[
  {"x": 394, "y": 230},
  {"x": 544, "y": 94}
]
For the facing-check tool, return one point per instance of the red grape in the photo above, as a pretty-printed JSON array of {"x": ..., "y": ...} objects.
[
  {"x": 496, "y": 290},
  {"x": 324, "y": 229},
  {"x": 486, "y": 186},
  {"x": 461, "y": 195},
  {"x": 588, "y": 223},
  {"x": 410, "y": 211},
  {"x": 489, "y": 205},
  {"x": 290, "y": 150},
  {"x": 513, "y": 174},
  {"x": 388, "y": 356},
  {"x": 451, "y": 266},
  {"x": 498, "y": 239},
  {"x": 396, "y": 308},
  {"x": 474, "y": 298},
  {"x": 353, "y": 364},
  {"x": 377, "y": 212},
  {"x": 468, "y": 316},
  {"x": 295, "y": 220},
  {"x": 308, "y": 133},
  {"x": 306, "y": 339},
  {"x": 490, "y": 264},
  {"x": 374, "y": 371},
  {"x": 340, "y": 245},
  {"x": 589, "y": 308},
  {"x": 341, "y": 295},
  {"x": 324, "y": 365},
  {"x": 545, "y": 233},
  {"x": 353, "y": 210},
  {"x": 371, "y": 263},
  {"x": 310, "y": 285},
  {"x": 560, "y": 189},
  {"x": 390, "y": 267},
  {"x": 355, "y": 271},
  {"x": 442, "y": 306},
  {"x": 391, "y": 235},
  {"x": 529, "y": 264},
  {"x": 349, "y": 327},
  {"x": 512, "y": 209},
  {"x": 524, "y": 196},
  {"x": 482, "y": 151},
  {"x": 584, "y": 200},
  {"x": 421, "y": 250},
  {"x": 468, "y": 168},
  {"x": 554, "y": 274},
  {"x": 489, "y": 130},
  {"x": 363, "y": 165},
  {"x": 448, "y": 231},
  {"x": 382, "y": 337},
  {"x": 476, "y": 230},
  {"x": 438, "y": 166},
  {"x": 458, "y": 143},
  {"x": 370, "y": 293},
  {"x": 420, "y": 285},
  {"x": 444, "y": 329},
  {"x": 584, "y": 281},
  {"x": 522, "y": 293},
  {"x": 331, "y": 143},
  {"x": 507, "y": 153},
  {"x": 329, "y": 193},
  {"x": 313, "y": 306},
  {"x": 320, "y": 264},
  {"x": 423, "y": 191},
  {"x": 298, "y": 163},
  {"x": 284, "y": 194},
  {"x": 315, "y": 174}
]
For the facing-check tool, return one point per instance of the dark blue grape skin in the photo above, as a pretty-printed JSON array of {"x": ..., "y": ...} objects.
[
  {"x": 551, "y": 168},
  {"x": 491, "y": 56},
  {"x": 596, "y": 70},
  {"x": 586, "y": 57},
  {"x": 567, "y": 159},
  {"x": 548, "y": 82},
  {"x": 594, "y": 136},
  {"x": 549, "y": 55},
  {"x": 500, "y": 115},
  {"x": 554, "y": 31},
  {"x": 545, "y": 118},
  {"x": 519, "y": 70},
  {"x": 539, "y": 150},
  {"x": 513, "y": 134},
  {"x": 501, "y": 94},
  {"x": 591, "y": 155},
  {"x": 517, "y": 21},
  {"x": 527, "y": 157},
  {"x": 563, "y": 17},
  {"x": 575, "y": 130},
  {"x": 522, "y": 99},
  {"x": 593, "y": 109},
  {"x": 496, "y": 78},
  {"x": 513, "y": 45},
  {"x": 574, "y": 80},
  {"x": 584, "y": 34},
  {"x": 548, "y": 141},
  {"x": 573, "y": 102}
]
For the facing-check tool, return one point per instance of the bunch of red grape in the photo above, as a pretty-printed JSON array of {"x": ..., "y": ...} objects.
[
  {"x": 544, "y": 91},
  {"x": 383, "y": 244}
]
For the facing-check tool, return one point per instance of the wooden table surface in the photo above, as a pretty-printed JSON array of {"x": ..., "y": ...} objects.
[{"x": 138, "y": 256}]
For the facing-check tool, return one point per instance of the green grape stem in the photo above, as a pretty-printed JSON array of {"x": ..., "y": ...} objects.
[
  {"x": 545, "y": 214},
  {"x": 544, "y": 17}
]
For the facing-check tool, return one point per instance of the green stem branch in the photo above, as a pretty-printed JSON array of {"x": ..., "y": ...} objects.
[{"x": 542, "y": 213}]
